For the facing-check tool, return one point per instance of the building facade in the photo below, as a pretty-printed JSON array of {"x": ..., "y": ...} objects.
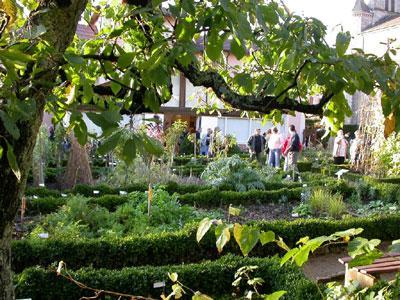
[{"x": 376, "y": 25}]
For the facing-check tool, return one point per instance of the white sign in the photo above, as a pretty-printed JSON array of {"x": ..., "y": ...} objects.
[
  {"x": 64, "y": 195},
  {"x": 159, "y": 284},
  {"x": 123, "y": 193},
  {"x": 43, "y": 235},
  {"x": 96, "y": 192}
]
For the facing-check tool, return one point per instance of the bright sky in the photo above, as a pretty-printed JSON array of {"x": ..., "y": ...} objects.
[{"x": 331, "y": 12}]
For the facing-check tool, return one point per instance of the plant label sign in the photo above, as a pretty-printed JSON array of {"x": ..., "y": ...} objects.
[
  {"x": 159, "y": 284},
  {"x": 96, "y": 192}
]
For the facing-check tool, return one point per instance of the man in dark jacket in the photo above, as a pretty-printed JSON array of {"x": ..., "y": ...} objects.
[
  {"x": 256, "y": 145},
  {"x": 293, "y": 149}
]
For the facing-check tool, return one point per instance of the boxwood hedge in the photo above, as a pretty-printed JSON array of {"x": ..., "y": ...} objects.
[
  {"x": 181, "y": 246},
  {"x": 211, "y": 277}
]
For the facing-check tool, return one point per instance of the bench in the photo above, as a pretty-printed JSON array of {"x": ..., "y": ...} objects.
[{"x": 385, "y": 267}]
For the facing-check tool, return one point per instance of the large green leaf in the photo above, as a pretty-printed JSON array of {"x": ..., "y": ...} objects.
[
  {"x": 12, "y": 161},
  {"x": 342, "y": 42},
  {"x": 360, "y": 246},
  {"x": 129, "y": 151},
  {"x": 267, "y": 237},
  {"x": 203, "y": 228},
  {"x": 214, "y": 45},
  {"x": 109, "y": 143},
  {"x": 223, "y": 236},
  {"x": 9, "y": 124},
  {"x": 366, "y": 258},
  {"x": 246, "y": 237}
]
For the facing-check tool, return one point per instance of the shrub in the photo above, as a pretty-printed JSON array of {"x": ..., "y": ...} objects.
[
  {"x": 130, "y": 216},
  {"x": 323, "y": 202},
  {"x": 211, "y": 277},
  {"x": 232, "y": 172},
  {"x": 181, "y": 246}
]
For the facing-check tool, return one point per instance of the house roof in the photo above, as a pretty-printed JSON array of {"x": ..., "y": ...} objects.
[
  {"x": 360, "y": 6},
  {"x": 389, "y": 21},
  {"x": 86, "y": 32}
]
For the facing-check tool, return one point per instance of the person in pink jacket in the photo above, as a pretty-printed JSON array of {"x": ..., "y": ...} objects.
[{"x": 274, "y": 145}]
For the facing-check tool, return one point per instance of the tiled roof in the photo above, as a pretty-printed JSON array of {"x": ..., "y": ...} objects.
[
  {"x": 360, "y": 6},
  {"x": 390, "y": 21},
  {"x": 86, "y": 32}
]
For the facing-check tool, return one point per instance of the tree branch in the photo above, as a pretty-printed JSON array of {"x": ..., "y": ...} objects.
[
  {"x": 263, "y": 104},
  {"x": 294, "y": 83}
]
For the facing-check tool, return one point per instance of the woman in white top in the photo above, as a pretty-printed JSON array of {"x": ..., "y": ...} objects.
[
  {"x": 340, "y": 148},
  {"x": 275, "y": 145}
]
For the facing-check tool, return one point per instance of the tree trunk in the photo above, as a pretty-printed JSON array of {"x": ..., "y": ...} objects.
[
  {"x": 6, "y": 288},
  {"x": 78, "y": 167},
  {"x": 60, "y": 20}
]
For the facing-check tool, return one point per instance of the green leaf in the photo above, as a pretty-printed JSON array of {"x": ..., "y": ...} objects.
[
  {"x": 301, "y": 256},
  {"x": 366, "y": 259},
  {"x": 275, "y": 296},
  {"x": 267, "y": 237},
  {"x": 270, "y": 15},
  {"x": 360, "y": 246},
  {"x": 74, "y": 59},
  {"x": 110, "y": 143},
  {"x": 188, "y": 6},
  {"x": 15, "y": 56},
  {"x": 234, "y": 211},
  {"x": 129, "y": 151},
  {"x": 12, "y": 161},
  {"x": 151, "y": 101},
  {"x": 342, "y": 43},
  {"x": 1, "y": 151},
  {"x": 245, "y": 81},
  {"x": 282, "y": 244},
  {"x": 115, "y": 87},
  {"x": 173, "y": 277},
  {"x": 152, "y": 146},
  {"x": 223, "y": 236},
  {"x": 214, "y": 45},
  {"x": 9, "y": 124},
  {"x": 178, "y": 291},
  {"x": 204, "y": 226},
  {"x": 80, "y": 131},
  {"x": 289, "y": 255},
  {"x": 125, "y": 60},
  {"x": 238, "y": 49},
  {"x": 246, "y": 237}
]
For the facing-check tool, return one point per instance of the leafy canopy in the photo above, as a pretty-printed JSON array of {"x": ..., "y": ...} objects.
[{"x": 140, "y": 45}]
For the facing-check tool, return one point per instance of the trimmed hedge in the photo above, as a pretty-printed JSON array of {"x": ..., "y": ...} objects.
[
  {"x": 51, "y": 204},
  {"x": 211, "y": 277},
  {"x": 181, "y": 246},
  {"x": 215, "y": 197},
  {"x": 206, "y": 198}
]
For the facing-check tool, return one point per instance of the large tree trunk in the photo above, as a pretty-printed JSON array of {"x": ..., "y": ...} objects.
[
  {"x": 78, "y": 167},
  {"x": 60, "y": 19}
]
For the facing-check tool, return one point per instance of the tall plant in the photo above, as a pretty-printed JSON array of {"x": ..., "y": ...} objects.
[{"x": 173, "y": 136}]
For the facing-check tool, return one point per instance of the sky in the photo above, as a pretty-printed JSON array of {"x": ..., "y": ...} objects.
[{"x": 332, "y": 13}]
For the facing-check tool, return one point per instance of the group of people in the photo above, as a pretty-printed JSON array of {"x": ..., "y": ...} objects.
[
  {"x": 341, "y": 147},
  {"x": 274, "y": 146},
  {"x": 211, "y": 142}
]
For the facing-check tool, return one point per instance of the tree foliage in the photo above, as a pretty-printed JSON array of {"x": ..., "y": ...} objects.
[{"x": 141, "y": 44}]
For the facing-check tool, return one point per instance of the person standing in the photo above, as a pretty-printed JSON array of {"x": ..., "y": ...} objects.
[
  {"x": 355, "y": 147},
  {"x": 274, "y": 145},
  {"x": 256, "y": 144},
  {"x": 293, "y": 149},
  {"x": 339, "y": 148},
  {"x": 267, "y": 136},
  {"x": 205, "y": 142}
]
